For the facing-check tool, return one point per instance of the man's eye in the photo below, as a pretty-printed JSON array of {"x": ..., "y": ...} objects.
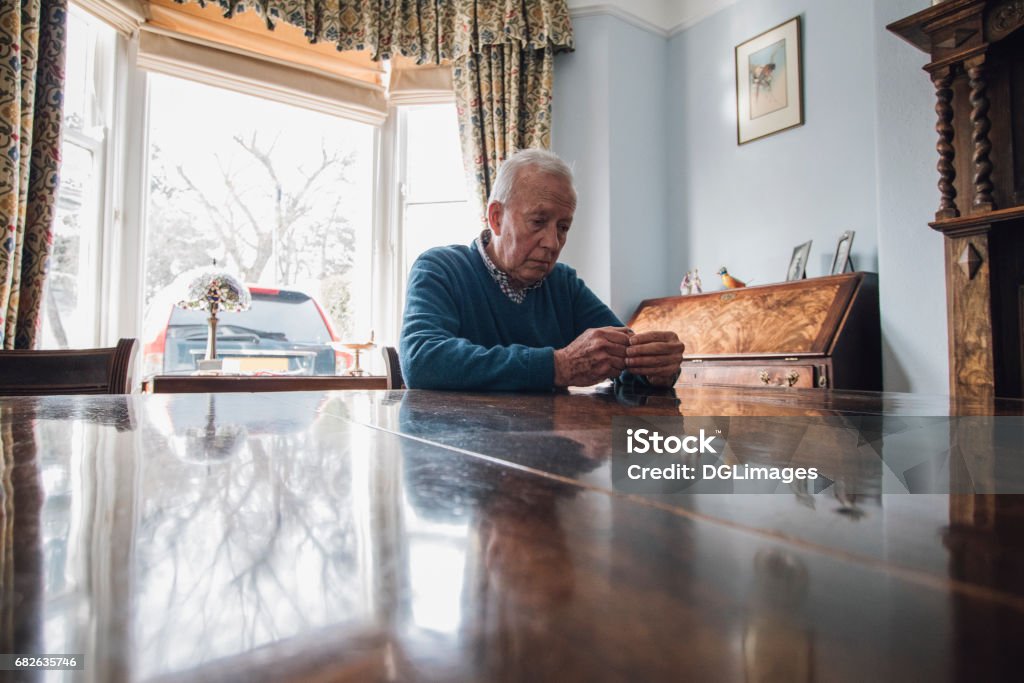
[{"x": 563, "y": 228}]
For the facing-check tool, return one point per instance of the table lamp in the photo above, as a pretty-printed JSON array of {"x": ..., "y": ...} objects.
[{"x": 214, "y": 291}]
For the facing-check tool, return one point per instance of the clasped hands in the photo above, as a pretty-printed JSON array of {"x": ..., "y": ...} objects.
[{"x": 602, "y": 353}]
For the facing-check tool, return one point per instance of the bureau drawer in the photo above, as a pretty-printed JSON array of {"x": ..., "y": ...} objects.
[{"x": 750, "y": 375}]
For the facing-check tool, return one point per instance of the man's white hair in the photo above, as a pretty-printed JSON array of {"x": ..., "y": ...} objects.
[{"x": 540, "y": 159}]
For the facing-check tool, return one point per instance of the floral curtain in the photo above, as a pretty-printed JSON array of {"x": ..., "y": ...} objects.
[
  {"x": 32, "y": 48},
  {"x": 502, "y": 54},
  {"x": 431, "y": 31},
  {"x": 503, "y": 97}
]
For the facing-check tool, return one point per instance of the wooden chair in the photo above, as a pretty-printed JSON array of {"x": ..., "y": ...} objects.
[
  {"x": 395, "y": 379},
  {"x": 74, "y": 371}
]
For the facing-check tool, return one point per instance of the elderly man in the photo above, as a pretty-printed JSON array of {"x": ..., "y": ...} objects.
[{"x": 503, "y": 314}]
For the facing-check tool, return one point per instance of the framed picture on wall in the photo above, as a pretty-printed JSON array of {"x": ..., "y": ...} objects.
[
  {"x": 798, "y": 262},
  {"x": 842, "y": 257},
  {"x": 769, "y": 88}
]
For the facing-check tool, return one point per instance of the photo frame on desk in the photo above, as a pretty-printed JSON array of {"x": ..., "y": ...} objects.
[
  {"x": 798, "y": 262},
  {"x": 769, "y": 83},
  {"x": 842, "y": 257}
]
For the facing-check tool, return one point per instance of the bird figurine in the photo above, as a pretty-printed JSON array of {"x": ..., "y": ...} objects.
[{"x": 729, "y": 281}]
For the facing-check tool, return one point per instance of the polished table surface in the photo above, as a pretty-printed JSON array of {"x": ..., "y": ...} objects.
[{"x": 412, "y": 535}]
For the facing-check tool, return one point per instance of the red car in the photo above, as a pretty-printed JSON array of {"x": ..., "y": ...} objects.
[{"x": 284, "y": 331}]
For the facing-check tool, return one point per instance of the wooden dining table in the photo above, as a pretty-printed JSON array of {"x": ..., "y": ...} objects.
[{"x": 442, "y": 536}]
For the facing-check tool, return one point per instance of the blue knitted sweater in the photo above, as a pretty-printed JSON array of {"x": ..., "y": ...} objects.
[{"x": 460, "y": 331}]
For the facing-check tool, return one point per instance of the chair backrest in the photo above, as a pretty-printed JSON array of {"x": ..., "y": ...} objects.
[
  {"x": 73, "y": 371},
  {"x": 395, "y": 380}
]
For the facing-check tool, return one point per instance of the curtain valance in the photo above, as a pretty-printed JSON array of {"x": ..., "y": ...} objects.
[{"x": 429, "y": 31}]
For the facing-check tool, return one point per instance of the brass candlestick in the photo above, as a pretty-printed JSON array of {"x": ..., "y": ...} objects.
[{"x": 357, "y": 370}]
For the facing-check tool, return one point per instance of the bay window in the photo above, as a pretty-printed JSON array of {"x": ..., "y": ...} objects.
[{"x": 332, "y": 202}]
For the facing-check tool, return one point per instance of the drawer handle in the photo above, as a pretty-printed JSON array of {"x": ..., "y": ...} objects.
[{"x": 792, "y": 377}]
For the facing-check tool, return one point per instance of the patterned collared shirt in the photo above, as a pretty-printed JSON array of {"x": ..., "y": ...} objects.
[{"x": 500, "y": 276}]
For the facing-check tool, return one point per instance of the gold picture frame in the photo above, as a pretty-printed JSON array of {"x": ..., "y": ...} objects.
[{"x": 769, "y": 83}]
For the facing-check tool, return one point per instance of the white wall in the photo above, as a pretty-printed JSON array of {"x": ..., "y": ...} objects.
[
  {"x": 662, "y": 15},
  {"x": 653, "y": 12}
]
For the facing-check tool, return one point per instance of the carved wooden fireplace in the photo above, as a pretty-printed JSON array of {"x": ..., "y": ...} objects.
[{"x": 977, "y": 68}]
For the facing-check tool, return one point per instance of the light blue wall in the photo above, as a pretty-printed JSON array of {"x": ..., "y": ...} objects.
[
  {"x": 651, "y": 126},
  {"x": 639, "y": 166},
  {"x": 910, "y": 254},
  {"x": 747, "y": 206},
  {"x": 864, "y": 160},
  {"x": 610, "y": 115},
  {"x": 580, "y": 132}
]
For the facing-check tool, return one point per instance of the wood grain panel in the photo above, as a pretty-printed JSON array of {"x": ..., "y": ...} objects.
[
  {"x": 789, "y": 318},
  {"x": 750, "y": 375},
  {"x": 970, "y": 350},
  {"x": 977, "y": 45}
]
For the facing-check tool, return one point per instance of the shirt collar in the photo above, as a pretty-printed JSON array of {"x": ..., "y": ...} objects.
[{"x": 501, "y": 277}]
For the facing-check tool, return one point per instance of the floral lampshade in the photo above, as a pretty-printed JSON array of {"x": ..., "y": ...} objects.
[{"x": 214, "y": 292}]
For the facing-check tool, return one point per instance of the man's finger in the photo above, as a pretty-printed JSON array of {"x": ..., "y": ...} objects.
[
  {"x": 617, "y": 364},
  {"x": 661, "y": 380},
  {"x": 656, "y": 349},
  {"x": 605, "y": 360},
  {"x": 656, "y": 336},
  {"x": 646, "y": 363},
  {"x": 620, "y": 340},
  {"x": 665, "y": 371},
  {"x": 612, "y": 349},
  {"x": 620, "y": 335}
]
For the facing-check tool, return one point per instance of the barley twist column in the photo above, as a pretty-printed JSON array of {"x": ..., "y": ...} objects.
[
  {"x": 980, "y": 128},
  {"x": 944, "y": 127}
]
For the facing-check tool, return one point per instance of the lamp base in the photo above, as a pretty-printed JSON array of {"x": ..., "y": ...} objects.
[{"x": 215, "y": 365}]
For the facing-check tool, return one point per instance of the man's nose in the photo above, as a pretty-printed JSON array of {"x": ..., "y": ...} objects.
[{"x": 550, "y": 239}]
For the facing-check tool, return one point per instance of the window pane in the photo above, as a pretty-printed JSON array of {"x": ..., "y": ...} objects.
[
  {"x": 436, "y": 209},
  {"x": 68, "y": 306},
  {"x": 279, "y": 195},
  {"x": 69, "y": 310},
  {"x": 437, "y": 225},
  {"x": 433, "y": 156},
  {"x": 78, "y": 71}
]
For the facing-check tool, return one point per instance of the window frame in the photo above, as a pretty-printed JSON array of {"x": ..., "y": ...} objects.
[
  {"x": 399, "y": 266},
  {"x": 97, "y": 137},
  {"x": 121, "y": 240}
]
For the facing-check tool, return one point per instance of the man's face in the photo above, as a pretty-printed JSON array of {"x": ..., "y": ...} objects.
[{"x": 531, "y": 227}]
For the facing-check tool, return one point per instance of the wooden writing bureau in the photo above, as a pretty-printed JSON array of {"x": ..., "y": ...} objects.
[{"x": 817, "y": 333}]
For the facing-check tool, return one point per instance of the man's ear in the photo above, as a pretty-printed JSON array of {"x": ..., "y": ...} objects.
[{"x": 495, "y": 211}]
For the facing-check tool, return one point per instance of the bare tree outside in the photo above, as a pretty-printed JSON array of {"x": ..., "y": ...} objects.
[{"x": 273, "y": 194}]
